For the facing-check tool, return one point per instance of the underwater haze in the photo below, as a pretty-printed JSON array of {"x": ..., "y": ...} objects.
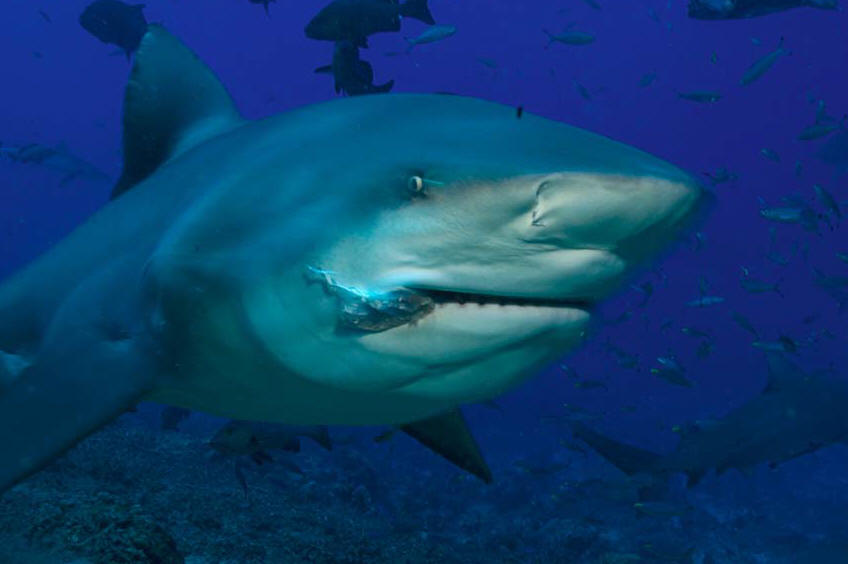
[{"x": 682, "y": 399}]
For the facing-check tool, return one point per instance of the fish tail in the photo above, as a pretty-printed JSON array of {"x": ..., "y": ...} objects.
[
  {"x": 629, "y": 459},
  {"x": 418, "y": 10}
]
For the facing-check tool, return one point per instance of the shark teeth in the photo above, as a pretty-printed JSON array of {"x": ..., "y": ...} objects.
[
  {"x": 362, "y": 310},
  {"x": 451, "y": 296},
  {"x": 371, "y": 312}
]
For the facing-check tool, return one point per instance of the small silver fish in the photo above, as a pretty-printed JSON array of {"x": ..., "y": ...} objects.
[
  {"x": 430, "y": 35},
  {"x": 695, "y": 333},
  {"x": 647, "y": 79},
  {"x": 827, "y": 200},
  {"x": 770, "y": 154},
  {"x": 700, "y": 96},
  {"x": 782, "y": 344},
  {"x": 720, "y": 176},
  {"x": 762, "y": 65},
  {"x": 745, "y": 324},
  {"x": 817, "y": 131},
  {"x": 705, "y": 301},
  {"x": 671, "y": 371},
  {"x": 574, "y": 38},
  {"x": 756, "y": 286}
]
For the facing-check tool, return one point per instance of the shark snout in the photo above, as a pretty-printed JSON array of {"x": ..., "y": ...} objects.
[{"x": 630, "y": 216}]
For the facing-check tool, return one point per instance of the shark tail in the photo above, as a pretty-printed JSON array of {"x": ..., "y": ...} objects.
[
  {"x": 632, "y": 461},
  {"x": 418, "y": 10},
  {"x": 629, "y": 459}
]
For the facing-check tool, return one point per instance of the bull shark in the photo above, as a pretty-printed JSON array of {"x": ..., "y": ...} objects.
[
  {"x": 796, "y": 414},
  {"x": 369, "y": 260}
]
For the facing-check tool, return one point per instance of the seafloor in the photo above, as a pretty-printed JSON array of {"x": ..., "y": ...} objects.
[{"x": 132, "y": 493}]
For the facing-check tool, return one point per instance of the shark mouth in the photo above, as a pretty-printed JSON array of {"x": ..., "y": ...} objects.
[
  {"x": 461, "y": 298},
  {"x": 372, "y": 312}
]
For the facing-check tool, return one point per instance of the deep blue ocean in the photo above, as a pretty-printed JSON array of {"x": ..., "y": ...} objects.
[{"x": 668, "y": 354}]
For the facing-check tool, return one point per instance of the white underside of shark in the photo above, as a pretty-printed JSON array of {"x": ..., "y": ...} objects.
[{"x": 371, "y": 260}]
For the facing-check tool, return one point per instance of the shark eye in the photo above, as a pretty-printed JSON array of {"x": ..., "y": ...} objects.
[{"x": 416, "y": 185}]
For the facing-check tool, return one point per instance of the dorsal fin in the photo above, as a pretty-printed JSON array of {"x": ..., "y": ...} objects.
[{"x": 173, "y": 102}]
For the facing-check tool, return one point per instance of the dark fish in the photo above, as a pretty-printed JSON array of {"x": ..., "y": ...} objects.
[
  {"x": 745, "y": 324},
  {"x": 721, "y": 175},
  {"x": 647, "y": 79},
  {"x": 735, "y": 9},
  {"x": 700, "y": 96},
  {"x": 835, "y": 151},
  {"x": 590, "y": 385},
  {"x": 770, "y": 154},
  {"x": 570, "y": 38},
  {"x": 172, "y": 416},
  {"x": 672, "y": 372},
  {"x": 352, "y": 75},
  {"x": 246, "y": 438},
  {"x": 756, "y": 286},
  {"x": 264, "y": 4},
  {"x": 355, "y": 20},
  {"x": 45, "y": 16},
  {"x": 662, "y": 508},
  {"x": 827, "y": 200},
  {"x": 386, "y": 435},
  {"x": 818, "y": 130},
  {"x": 115, "y": 23}
]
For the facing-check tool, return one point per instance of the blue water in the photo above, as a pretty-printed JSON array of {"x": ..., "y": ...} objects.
[{"x": 63, "y": 87}]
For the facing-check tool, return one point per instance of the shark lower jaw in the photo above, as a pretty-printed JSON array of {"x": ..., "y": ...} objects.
[{"x": 461, "y": 327}]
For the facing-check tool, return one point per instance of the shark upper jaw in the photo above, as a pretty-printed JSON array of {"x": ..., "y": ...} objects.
[{"x": 481, "y": 274}]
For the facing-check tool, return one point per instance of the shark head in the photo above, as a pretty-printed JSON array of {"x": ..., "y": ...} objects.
[{"x": 467, "y": 247}]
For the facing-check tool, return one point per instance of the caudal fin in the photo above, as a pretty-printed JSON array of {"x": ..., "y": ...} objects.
[
  {"x": 629, "y": 459},
  {"x": 417, "y": 9}
]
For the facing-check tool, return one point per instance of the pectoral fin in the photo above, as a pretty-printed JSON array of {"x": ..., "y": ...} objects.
[
  {"x": 91, "y": 366},
  {"x": 60, "y": 400},
  {"x": 448, "y": 435}
]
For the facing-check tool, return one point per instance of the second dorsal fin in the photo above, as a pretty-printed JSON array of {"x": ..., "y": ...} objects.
[{"x": 173, "y": 102}]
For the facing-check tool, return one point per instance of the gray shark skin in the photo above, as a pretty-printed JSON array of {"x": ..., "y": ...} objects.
[
  {"x": 736, "y": 9},
  {"x": 795, "y": 415},
  {"x": 310, "y": 268}
]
